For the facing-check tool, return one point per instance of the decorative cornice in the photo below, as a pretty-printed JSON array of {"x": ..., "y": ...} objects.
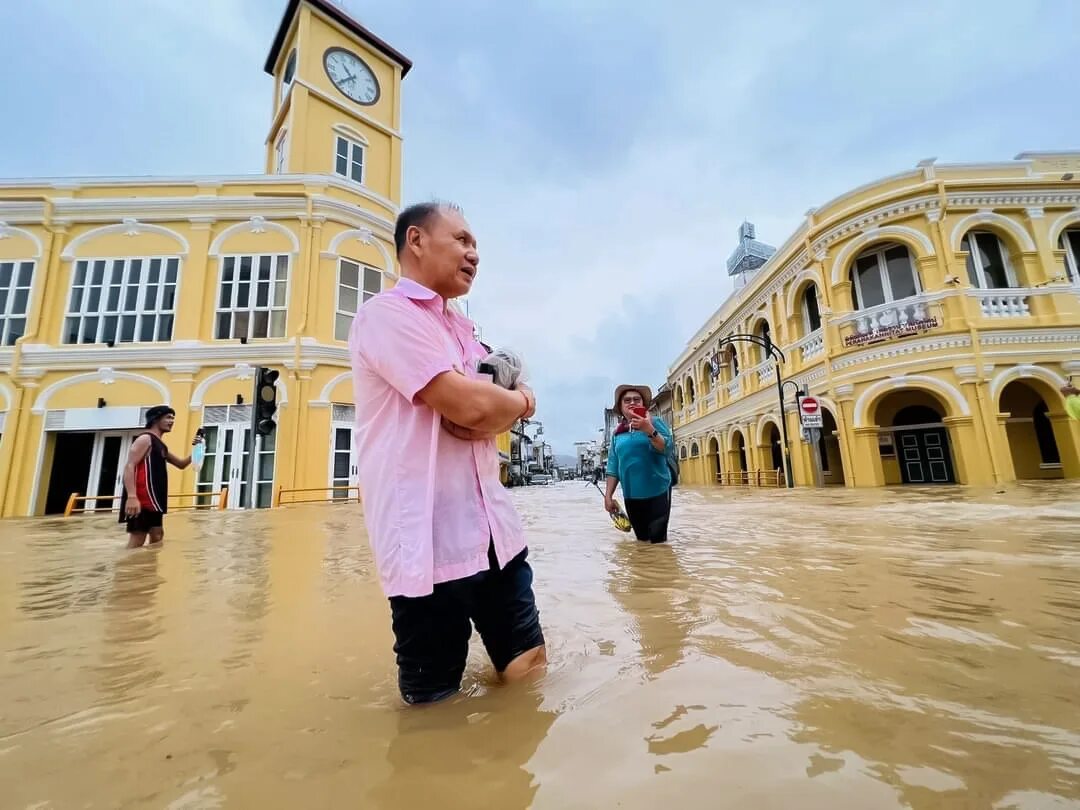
[
  {"x": 179, "y": 209},
  {"x": 1028, "y": 336},
  {"x": 902, "y": 347},
  {"x": 875, "y": 217},
  {"x": 181, "y": 355},
  {"x": 1031, "y": 198}
]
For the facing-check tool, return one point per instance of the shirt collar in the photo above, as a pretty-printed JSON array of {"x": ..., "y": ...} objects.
[
  {"x": 415, "y": 290},
  {"x": 418, "y": 292}
]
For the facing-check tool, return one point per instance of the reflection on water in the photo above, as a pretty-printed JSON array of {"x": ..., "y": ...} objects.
[{"x": 884, "y": 648}]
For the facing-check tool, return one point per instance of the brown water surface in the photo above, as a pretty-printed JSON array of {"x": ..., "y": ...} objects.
[{"x": 864, "y": 649}]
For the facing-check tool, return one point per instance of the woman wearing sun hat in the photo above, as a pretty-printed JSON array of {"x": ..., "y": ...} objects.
[{"x": 638, "y": 460}]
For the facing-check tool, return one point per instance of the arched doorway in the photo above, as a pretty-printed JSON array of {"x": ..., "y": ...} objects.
[
  {"x": 1034, "y": 448},
  {"x": 828, "y": 448},
  {"x": 738, "y": 452},
  {"x": 774, "y": 455},
  {"x": 914, "y": 442},
  {"x": 712, "y": 465}
]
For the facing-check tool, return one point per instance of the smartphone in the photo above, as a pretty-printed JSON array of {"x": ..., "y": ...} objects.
[
  {"x": 200, "y": 433},
  {"x": 639, "y": 411}
]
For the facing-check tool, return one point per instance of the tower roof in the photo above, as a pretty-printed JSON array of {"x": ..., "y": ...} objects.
[
  {"x": 339, "y": 15},
  {"x": 750, "y": 254}
]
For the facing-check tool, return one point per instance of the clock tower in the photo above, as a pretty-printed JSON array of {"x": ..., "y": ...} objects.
[{"x": 337, "y": 100}]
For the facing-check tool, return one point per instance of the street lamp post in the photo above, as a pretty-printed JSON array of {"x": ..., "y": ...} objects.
[{"x": 778, "y": 357}]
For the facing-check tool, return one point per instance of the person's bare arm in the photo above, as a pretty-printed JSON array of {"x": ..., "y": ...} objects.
[
  {"x": 609, "y": 495},
  {"x": 182, "y": 463},
  {"x": 139, "y": 448},
  {"x": 477, "y": 405}
]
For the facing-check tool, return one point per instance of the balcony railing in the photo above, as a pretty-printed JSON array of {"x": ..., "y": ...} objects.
[
  {"x": 811, "y": 346},
  {"x": 1003, "y": 303},
  {"x": 764, "y": 371},
  {"x": 893, "y": 319},
  {"x": 734, "y": 388},
  {"x": 710, "y": 400}
]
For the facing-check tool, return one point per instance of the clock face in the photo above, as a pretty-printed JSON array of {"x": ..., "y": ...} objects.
[{"x": 351, "y": 76}]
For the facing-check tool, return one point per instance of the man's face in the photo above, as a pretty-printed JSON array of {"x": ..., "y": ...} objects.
[
  {"x": 165, "y": 423},
  {"x": 446, "y": 251}
]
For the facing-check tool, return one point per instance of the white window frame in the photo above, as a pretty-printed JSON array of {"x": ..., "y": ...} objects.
[
  {"x": 281, "y": 147},
  {"x": 7, "y": 313},
  {"x": 976, "y": 260},
  {"x": 1072, "y": 257},
  {"x": 362, "y": 293},
  {"x": 352, "y": 148},
  {"x": 252, "y": 308},
  {"x": 139, "y": 311},
  {"x": 883, "y": 271},
  {"x": 808, "y": 329},
  {"x": 287, "y": 84}
]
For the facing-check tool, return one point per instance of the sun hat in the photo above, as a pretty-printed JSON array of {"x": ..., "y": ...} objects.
[{"x": 644, "y": 390}]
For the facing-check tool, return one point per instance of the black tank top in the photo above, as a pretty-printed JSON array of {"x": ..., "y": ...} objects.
[{"x": 151, "y": 479}]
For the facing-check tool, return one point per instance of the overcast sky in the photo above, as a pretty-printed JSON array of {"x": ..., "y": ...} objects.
[{"x": 605, "y": 152}]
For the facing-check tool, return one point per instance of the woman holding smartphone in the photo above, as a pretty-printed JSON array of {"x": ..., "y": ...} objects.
[{"x": 638, "y": 460}]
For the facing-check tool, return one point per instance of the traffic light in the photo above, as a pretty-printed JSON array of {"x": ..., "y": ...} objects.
[{"x": 265, "y": 401}]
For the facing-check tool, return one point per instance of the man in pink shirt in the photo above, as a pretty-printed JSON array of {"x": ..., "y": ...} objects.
[{"x": 448, "y": 544}]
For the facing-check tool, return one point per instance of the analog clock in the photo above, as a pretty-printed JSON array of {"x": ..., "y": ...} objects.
[{"x": 351, "y": 76}]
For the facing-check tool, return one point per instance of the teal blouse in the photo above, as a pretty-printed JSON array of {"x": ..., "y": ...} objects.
[{"x": 642, "y": 470}]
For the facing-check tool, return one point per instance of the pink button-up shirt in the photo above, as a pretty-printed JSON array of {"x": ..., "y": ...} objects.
[{"x": 432, "y": 502}]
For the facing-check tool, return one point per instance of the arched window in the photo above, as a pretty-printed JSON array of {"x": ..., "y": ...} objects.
[
  {"x": 694, "y": 450},
  {"x": 733, "y": 362},
  {"x": 679, "y": 403},
  {"x": 682, "y": 452},
  {"x": 883, "y": 274},
  {"x": 810, "y": 313},
  {"x": 988, "y": 262},
  {"x": 763, "y": 332},
  {"x": 690, "y": 395},
  {"x": 356, "y": 284},
  {"x": 1070, "y": 243},
  {"x": 706, "y": 378}
]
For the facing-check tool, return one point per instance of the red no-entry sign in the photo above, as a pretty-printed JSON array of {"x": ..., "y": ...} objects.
[{"x": 809, "y": 412}]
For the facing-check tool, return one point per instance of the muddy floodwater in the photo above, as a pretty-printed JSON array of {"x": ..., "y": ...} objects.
[{"x": 857, "y": 649}]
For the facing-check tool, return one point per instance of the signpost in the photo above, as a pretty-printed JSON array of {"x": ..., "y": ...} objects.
[
  {"x": 811, "y": 421},
  {"x": 810, "y": 412}
]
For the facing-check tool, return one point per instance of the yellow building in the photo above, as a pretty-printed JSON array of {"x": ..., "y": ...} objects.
[
  {"x": 117, "y": 294},
  {"x": 934, "y": 314}
]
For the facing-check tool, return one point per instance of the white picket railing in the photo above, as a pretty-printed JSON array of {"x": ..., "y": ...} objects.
[
  {"x": 734, "y": 388},
  {"x": 811, "y": 346},
  {"x": 998, "y": 304}
]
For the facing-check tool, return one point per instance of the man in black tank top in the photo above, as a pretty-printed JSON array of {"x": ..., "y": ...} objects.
[{"x": 145, "y": 497}]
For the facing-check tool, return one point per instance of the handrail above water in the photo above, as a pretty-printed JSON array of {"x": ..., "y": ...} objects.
[
  {"x": 221, "y": 496},
  {"x": 347, "y": 489}
]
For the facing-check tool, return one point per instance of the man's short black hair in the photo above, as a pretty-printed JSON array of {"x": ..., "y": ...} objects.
[
  {"x": 418, "y": 214},
  {"x": 157, "y": 412}
]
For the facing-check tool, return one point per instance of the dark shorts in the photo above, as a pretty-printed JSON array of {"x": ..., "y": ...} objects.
[
  {"x": 432, "y": 632},
  {"x": 144, "y": 522},
  {"x": 649, "y": 517}
]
